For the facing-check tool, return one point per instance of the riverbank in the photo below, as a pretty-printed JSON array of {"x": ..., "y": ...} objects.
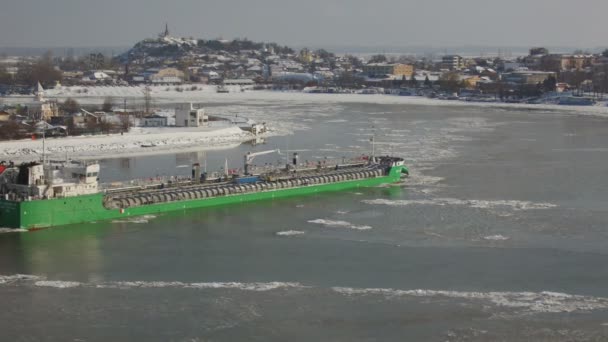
[
  {"x": 138, "y": 141},
  {"x": 208, "y": 94}
]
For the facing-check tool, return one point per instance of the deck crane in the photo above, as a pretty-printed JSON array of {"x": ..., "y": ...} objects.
[{"x": 250, "y": 156}]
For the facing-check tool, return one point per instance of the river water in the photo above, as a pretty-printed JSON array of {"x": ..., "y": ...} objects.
[{"x": 499, "y": 234}]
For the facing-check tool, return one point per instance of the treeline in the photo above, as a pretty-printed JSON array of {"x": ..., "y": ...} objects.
[
  {"x": 242, "y": 44},
  {"x": 30, "y": 73}
]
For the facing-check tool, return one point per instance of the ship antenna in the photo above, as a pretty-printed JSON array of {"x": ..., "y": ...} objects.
[{"x": 373, "y": 140}]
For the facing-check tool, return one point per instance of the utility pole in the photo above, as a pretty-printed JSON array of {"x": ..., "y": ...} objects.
[
  {"x": 147, "y": 100},
  {"x": 43, "y": 145}
]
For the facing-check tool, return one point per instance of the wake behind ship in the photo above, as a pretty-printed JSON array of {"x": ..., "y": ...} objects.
[{"x": 53, "y": 193}]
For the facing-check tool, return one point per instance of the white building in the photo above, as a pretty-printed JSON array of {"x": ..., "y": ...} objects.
[
  {"x": 188, "y": 116},
  {"x": 154, "y": 121}
]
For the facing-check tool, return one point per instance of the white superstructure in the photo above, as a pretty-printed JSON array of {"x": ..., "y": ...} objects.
[{"x": 49, "y": 180}]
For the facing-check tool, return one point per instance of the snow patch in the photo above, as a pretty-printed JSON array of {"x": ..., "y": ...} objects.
[
  {"x": 339, "y": 224},
  {"x": 57, "y": 284},
  {"x": 290, "y": 233},
  {"x": 258, "y": 287},
  {"x": 496, "y": 238},
  {"x": 526, "y": 302},
  {"x": 12, "y": 230},
  {"x": 159, "y": 140},
  {"x": 482, "y": 204},
  {"x": 136, "y": 219},
  {"x": 38, "y": 281},
  {"x": 4, "y": 279}
]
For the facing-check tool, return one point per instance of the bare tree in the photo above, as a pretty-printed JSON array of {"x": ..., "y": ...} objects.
[
  {"x": 125, "y": 123},
  {"x": 450, "y": 81},
  {"x": 42, "y": 71},
  {"x": 70, "y": 106},
  {"x": 147, "y": 100},
  {"x": 108, "y": 104},
  {"x": 378, "y": 59},
  {"x": 5, "y": 77}
]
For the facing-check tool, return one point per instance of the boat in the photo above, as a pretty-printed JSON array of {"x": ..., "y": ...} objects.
[
  {"x": 222, "y": 89},
  {"x": 576, "y": 101},
  {"x": 50, "y": 193}
]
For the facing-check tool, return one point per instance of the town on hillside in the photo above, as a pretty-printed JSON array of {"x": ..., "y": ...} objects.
[{"x": 187, "y": 64}]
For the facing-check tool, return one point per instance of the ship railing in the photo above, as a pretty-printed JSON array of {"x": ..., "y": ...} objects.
[
  {"x": 143, "y": 183},
  {"x": 310, "y": 165}
]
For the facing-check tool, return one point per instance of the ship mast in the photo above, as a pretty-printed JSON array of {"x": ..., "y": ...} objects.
[
  {"x": 373, "y": 141},
  {"x": 43, "y": 146}
]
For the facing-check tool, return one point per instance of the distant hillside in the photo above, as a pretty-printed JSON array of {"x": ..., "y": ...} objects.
[
  {"x": 61, "y": 51},
  {"x": 168, "y": 47}
]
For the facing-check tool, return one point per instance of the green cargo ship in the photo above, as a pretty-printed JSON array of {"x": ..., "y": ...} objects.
[{"x": 41, "y": 195}]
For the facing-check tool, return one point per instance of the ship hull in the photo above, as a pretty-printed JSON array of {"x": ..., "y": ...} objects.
[{"x": 38, "y": 214}]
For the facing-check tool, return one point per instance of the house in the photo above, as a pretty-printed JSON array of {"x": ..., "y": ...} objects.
[
  {"x": 4, "y": 116},
  {"x": 306, "y": 56},
  {"x": 167, "y": 75},
  {"x": 527, "y": 77},
  {"x": 154, "y": 121},
  {"x": 559, "y": 63},
  {"x": 188, "y": 116},
  {"x": 96, "y": 76},
  {"x": 239, "y": 81},
  {"x": 84, "y": 119},
  {"x": 600, "y": 74},
  {"x": 381, "y": 69},
  {"x": 470, "y": 82},
  {"x": 452, "y": 62},
  {"x": 211, "y": 75},
  {"x": 42, "y": 108}
]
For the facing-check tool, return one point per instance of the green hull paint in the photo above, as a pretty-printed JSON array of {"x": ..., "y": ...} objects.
[{"x": 56, "y": 212}]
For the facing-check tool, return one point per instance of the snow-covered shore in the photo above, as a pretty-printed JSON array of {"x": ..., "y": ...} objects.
[
  {"x": 260, "y": 105},
  {"x": 137, "y": 142},
  {"x": 207, "y": 94}
]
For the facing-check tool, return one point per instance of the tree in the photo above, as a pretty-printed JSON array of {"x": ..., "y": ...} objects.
[
  {"x": 355, "y": 62},
  {"x": 550, "y": 83},
  {"x": 104, "y": 126},
  {"x": 70, "y": 106},
  {"x": 42, "y": 71},
  {"x": 450, "y": 81},
  {"x": 108, "y": 104},
  {"x": 414, "y": 81},
  {"x": 378, "y": 59},
  {"x": 5, "y": 77},
  {"x": 71, "y": 127},
  {"x": 348, "y": 79},
  {"x": 322, "y": 53},
  {"x": 538, "y": 51},
  {"x": 125, "y": 122},
  {"x": 427, "y": 82},
  {"x": 10, "y": 131}
]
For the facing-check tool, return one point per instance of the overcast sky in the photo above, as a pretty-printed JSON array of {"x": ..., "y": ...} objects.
[{"x": 436, "y": 23}]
